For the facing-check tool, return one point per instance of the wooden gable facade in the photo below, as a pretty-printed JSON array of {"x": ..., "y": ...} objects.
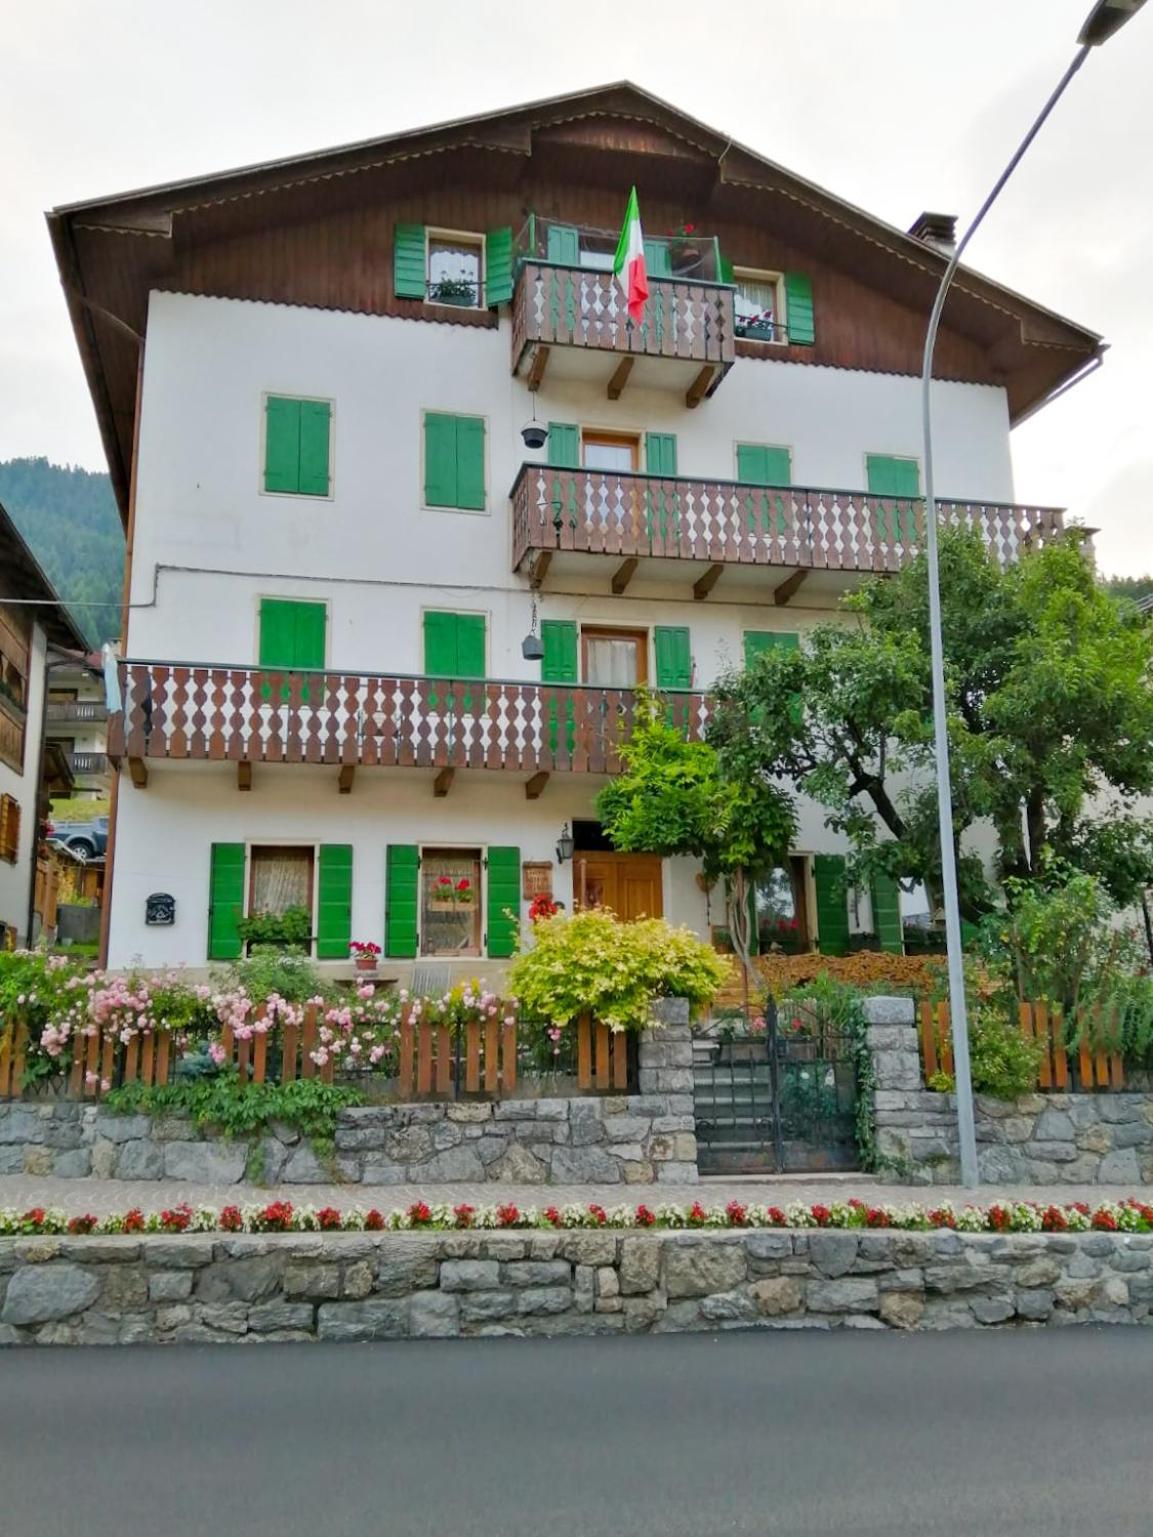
[{"x": 318, "y": 231}]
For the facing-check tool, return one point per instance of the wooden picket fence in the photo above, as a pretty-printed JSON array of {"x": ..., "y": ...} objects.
[
  {"x": 1086, "y": 1066},
  {"x": 432, "y": 1062}
]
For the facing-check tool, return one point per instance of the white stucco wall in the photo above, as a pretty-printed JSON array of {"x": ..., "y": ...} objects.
[
  {"x": 15, "y": 880},
  {"x": 209, "y": 544}
]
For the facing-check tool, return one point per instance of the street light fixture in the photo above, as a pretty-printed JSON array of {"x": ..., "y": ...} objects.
[{"x": 1106, "y": 17}]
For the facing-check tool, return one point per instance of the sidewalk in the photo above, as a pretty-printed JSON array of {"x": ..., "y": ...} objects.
[{"x": 100, "y": 1196}]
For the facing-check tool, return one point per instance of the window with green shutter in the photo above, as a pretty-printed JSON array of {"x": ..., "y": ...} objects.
[
  {"x": 454, "y": 469},
  {"x": 334, "y": 902},
  {"x": 564, "y": 445},
  {"x": 662, "y": 502},
  {"x": 292, "y": 636},
  {"x": 454, "y": 647},
  {"x": 564, "y": 245},
  {"x": 409, "y": 261},
  {"x": 225, "y": 901},
  {"x": 498, "y": 267},
  {"x": 503, "y": 908},
  {"x": 887, "y": 925},
  {"x": 401, "y": 899},
  {"x": 765, "y": 464},
  {"x": 799, "y": 318},
  {"x": 658, "y": 260},
  {"x": 896, "y": 483},
  {"x": 757, "y": 642},
  {"x": 673, "y": 647},
  {"x": 297, "y": 444},
  {"x": 832, "y": 904}
]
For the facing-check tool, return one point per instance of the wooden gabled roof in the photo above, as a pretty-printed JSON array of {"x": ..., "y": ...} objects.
[
  {"x": 23, "y": 577},
  {"x": 111, "y": 251}
]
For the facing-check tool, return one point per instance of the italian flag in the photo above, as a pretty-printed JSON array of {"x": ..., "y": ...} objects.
[{"x": 629, "y": 265}]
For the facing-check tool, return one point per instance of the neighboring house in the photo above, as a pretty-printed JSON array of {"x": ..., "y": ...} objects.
[
  {"x": 338, "y": 534},
  {"x": 31, "y": 619},
  {"x": 76, "y": 716}
]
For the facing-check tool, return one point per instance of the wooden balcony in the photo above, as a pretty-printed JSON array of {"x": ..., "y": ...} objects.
[
  {"x": 700, "y": 530},
  {"x": 246, "y": 716},
  {"x": 573, "y": 321},
  {"x": 88, "y": 762},
  {"x": 58, "y": 712}
]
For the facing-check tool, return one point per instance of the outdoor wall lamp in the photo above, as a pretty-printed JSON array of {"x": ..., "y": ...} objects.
[{"x": 564, "y": 845}]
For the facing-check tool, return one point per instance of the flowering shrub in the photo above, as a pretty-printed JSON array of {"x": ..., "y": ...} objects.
[
  {"x": 592, "y": 963},
  {"x": 1127, "y": 1216}
]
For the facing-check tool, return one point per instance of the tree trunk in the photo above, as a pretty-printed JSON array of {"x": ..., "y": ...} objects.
[{"x": 738, "y": 915}]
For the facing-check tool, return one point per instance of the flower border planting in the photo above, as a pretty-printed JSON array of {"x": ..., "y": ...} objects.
[{"x": 1127, "y": 1216}]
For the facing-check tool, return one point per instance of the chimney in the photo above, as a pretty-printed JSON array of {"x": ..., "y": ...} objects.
[{"x": 938, "y": 230}]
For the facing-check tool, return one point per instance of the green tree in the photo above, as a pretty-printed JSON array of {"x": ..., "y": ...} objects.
[
  {"x": 713, "y": 802},
  {"x": 1050, "y": 719}
]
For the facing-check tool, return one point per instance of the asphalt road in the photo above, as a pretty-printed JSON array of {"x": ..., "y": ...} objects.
[{"x": 1004, "y": 1432}]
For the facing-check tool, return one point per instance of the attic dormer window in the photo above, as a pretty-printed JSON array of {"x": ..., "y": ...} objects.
[{"x": 455, "y": 268}]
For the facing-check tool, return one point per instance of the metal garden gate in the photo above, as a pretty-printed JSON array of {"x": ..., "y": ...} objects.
[{"x": 781, "y": 1099}]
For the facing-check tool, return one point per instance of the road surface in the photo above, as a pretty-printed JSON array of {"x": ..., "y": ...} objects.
[{"x": 996, "y": 1434}]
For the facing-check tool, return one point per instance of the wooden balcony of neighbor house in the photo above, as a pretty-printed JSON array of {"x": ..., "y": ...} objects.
[
  {"x": 569, "y": 315},
  {"x": 88, "y": 763},
  {"x": 705, "y": 530},
  {"x": 248, "y": 715},
  {"x": 61, "y": 712}
]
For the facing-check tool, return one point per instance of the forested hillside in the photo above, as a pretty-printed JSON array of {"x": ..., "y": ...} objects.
[{"x": 69, "y": 518}]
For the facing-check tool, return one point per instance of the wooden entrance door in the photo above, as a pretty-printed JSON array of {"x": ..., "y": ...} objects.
[{"x": 629, "y": 884}]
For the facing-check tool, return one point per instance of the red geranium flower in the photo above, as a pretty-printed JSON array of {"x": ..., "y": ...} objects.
[
  {"x": 373, "y": 1221},
  {"x": 463, "y": 1214},
  {"x": 328, "y": 1218},
  {"x": 420, "y": 1213},
  {"x": 644, "y": 1217},
  {"x": 507, "y": 1215},
  {"x": 552, "y": 1216},
  {"x": 84, "y": 1224},
  {"x": 821, "y": 1215},
  {"x": 134, "y": 1220},
  {"x": 736, "y": 1214},
  {"x": 231, "y": 1219}
]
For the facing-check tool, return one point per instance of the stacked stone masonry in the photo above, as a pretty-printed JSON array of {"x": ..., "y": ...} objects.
[
  {"x": 369, "y": 1286},
  {"x": 1038, "y": 1139},
  {"x": 635, "y": 1139}
]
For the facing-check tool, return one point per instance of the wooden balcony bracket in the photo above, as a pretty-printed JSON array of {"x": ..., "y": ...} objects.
[
  {"x": 345, "y": 777},
  {"x": 244, "y": 775},
  {"x": 442, "y": 784},
  {"x": 786, "y": 590},
  {"x": 536, "y": 368},
  {"x": 139, "y": 772},
  {"x": 705, "y": 584},
  {"x": 624, "y": 574},
  {"x": 539, "y": 569},
  {"x": 620, "y": 378},
  {"x": 534, "y": 787},
  {"x": 699, "y": 388}
]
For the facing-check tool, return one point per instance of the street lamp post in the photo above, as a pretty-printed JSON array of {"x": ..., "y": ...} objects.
[{"x": 1106, "y": 17}]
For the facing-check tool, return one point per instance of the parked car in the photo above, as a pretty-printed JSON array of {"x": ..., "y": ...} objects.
[{"x": 86, "y": 840}]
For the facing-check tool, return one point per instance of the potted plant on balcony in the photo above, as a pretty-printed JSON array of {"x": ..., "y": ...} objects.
[
  {"x": 684, "y": 248},
  {"x": 365, "y": 954},
  {"x": 462, "y": 291},
  {"x": 760, "y": 327}
]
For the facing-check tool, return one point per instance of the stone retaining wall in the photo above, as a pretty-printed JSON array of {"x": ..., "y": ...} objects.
[
  {"x": 1039, "y": 1139},
  {"x": 642, "y": 1138},
  {"x": 366, "y": 1286}
]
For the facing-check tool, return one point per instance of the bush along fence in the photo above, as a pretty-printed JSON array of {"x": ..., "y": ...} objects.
[
  {"x": 196, "y": 1277},
  {"x": 1069, "y": 1109},
  {"x": 236, "y": 1122}
]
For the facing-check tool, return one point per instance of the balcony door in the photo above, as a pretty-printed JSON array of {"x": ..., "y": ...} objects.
[
  {"x": 610, "y": 503},
  {"x": 612, "y": 658}
]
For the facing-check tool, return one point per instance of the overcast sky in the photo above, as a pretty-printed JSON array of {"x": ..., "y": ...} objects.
[{"x": 897, "y": 105}]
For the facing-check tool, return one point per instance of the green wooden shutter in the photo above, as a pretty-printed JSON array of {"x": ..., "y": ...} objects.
[
  {"x": 757, "y": 642},
  {"x": 439, "y": 644},
  {"x": 891, "y": 477},
  {"x": 658, "y": 262},
  {"x": 799, "y": 319},
  {"x": 761, "y": 464},
  {"x": 310, "y": 629},
  {"x": 559, "y": 637},
  {"x": 503, "y": 899},
  {"x": 408, "y": 261},
  {"x": 564, "y": 245},
  {"x": 725, "y": 269},
  {"x": 498, "y": 267},
  {"x": 440, "y": 477},
  {"x": 281, "y": 444},
  {"x": 564, "y": 445},
  {"x": 674, "y": 656},
  {"x": 334, "y": 902},
  {"x": 470, "y": 647},
  {"x": 401, "y": 896},
  {"x": 470, "y": 463},
  {"x": 225, "y": 901},
  {"x": 661, "y": 453},
  {"x": 315, "y": 434},
  {"x": 887, "y": 925},
  {"x": 277, "y": 633},
  {"x": 832, "y": 904}
]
